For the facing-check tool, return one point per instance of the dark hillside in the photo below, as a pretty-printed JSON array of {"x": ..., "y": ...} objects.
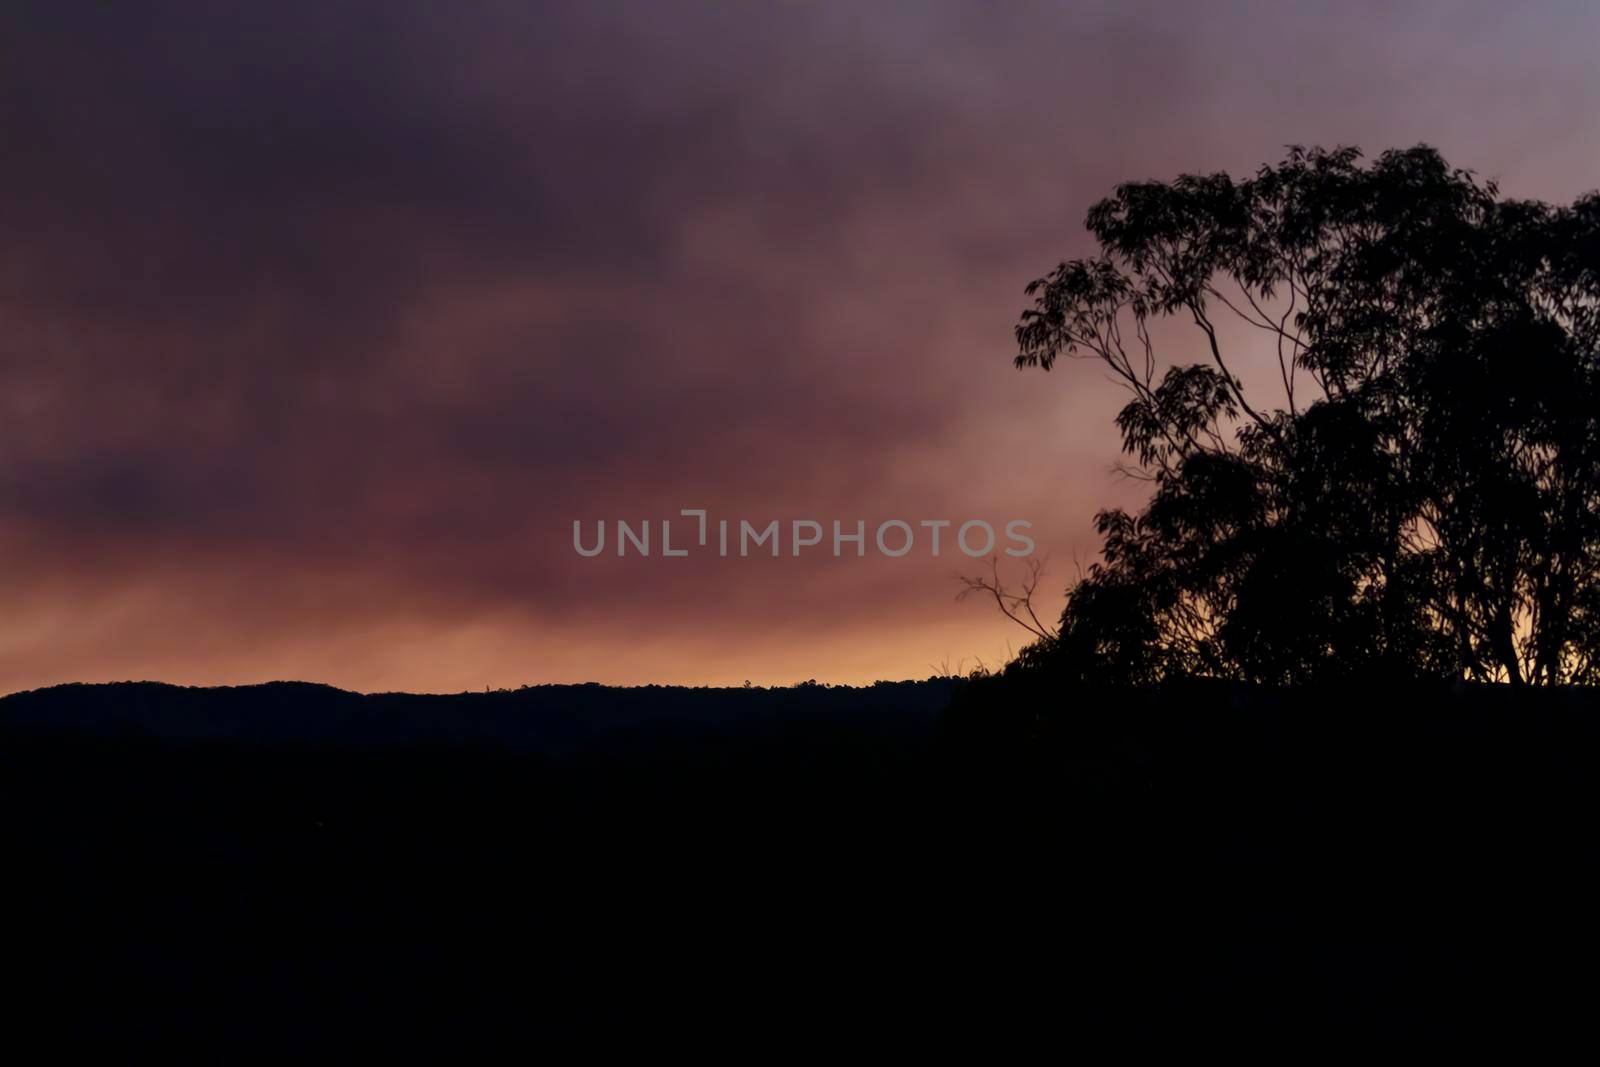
[
  {"x": 546, "y": 719},
  {"x": 321, "y": 869}
]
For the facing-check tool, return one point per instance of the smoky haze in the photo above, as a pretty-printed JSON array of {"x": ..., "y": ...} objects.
[{"x": 322, "y": 325}]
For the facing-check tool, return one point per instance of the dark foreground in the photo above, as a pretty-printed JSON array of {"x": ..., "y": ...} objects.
[{"x": 291, "y": 868}]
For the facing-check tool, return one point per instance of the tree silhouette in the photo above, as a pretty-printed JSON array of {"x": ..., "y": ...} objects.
[{"x": 1418, "y": 491}]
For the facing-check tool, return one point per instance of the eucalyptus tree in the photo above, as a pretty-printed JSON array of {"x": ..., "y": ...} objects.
[{"x": 1417, "y": 492}]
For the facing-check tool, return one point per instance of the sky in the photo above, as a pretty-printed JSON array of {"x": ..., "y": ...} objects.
[{"x": 321, "y": 323}]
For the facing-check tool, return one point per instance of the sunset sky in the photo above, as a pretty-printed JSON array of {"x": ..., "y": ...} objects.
[{"x": 322, "y": 322}]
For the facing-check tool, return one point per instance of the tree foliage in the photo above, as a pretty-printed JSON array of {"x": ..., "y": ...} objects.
[{"x": 1417, "y": 490}]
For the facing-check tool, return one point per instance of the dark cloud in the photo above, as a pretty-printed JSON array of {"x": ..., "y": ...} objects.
[{"x": 323, "y": 321}]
